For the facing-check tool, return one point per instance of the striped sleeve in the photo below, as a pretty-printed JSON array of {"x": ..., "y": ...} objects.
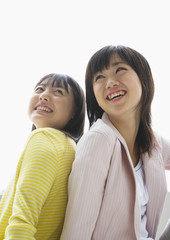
[{"x": 38, "y": 171}]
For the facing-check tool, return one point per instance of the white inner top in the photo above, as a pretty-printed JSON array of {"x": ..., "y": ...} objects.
[{"x": 143, "y": 198}]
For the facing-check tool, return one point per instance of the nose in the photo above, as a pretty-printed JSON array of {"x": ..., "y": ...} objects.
[
  {"x": 44, "y": 96},
  {"x": 112, "y": 82}
]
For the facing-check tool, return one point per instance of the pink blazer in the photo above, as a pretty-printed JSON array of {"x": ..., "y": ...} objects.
[{"x": 103, "y": 201}]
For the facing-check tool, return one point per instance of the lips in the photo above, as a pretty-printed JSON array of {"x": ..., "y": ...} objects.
[
  {"x": 43, "y": 108},
  {"x": 116, "y": 95}
]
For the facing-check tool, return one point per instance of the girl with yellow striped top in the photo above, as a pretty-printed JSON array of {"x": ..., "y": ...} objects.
[{"x": 33, "y": 206}]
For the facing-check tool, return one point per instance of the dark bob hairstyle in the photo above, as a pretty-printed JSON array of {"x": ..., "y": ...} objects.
[
  {"x": 100, "y": 61},
  {"x": 75, "y": 127}
]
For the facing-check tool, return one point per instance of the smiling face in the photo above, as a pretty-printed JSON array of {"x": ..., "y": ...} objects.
[
  {"x": 118, "y": 90},
  {"x": 51, "y": 106}
]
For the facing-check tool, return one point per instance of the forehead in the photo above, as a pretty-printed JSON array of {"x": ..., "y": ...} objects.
[
  {"x": 104, "y": 62},
  {"x": 53, "y": 82},
  {"x": 113, "y": 61}
]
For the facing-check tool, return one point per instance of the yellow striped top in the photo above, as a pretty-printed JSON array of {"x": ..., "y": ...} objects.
[{"x": 33, "y": 206}]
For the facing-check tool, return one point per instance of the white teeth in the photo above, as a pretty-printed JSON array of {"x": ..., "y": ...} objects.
[
  {"x": 43, "y": 109},
  {"x": 117, "y": 94}
]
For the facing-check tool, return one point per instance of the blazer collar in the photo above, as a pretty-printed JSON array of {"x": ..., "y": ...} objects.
[{"x": 107, "y": 121}]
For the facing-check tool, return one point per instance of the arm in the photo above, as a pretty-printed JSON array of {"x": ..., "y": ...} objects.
[
  {"x": 37, "y": 173},
  {"x": 86, "y": 186}
]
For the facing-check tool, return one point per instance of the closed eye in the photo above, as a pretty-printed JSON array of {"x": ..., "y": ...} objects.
[
  {"x": 120, "y": 69},
  {"x": 98, "y": 77},
  {"x": 60, "y": 91},
  {"x": 39, "y": 89}
]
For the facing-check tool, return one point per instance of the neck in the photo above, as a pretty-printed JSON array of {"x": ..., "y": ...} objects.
[{"x": 128, "y": 128}]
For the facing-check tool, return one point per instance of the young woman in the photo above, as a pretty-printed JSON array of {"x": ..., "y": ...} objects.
[
  {"x": 117, "y": 185},
  {"x": 33, "y": 206}
]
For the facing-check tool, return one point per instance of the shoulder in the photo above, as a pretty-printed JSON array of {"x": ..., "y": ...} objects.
[
  {"x": 163, "y": 150},
  {"x": 47, "y": 132},
  {"x": 50, "y": 133},
  {"x": 100, "y": 134},
  {"x": 50, "y": 137},
  {"x": 161, "y": 141},
  {"x": 162, "y": 145},
  {"x": 102, "y": 128}
]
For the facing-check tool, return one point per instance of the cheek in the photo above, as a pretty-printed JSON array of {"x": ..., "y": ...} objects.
[
  {"x": 71, "y": 109},
  {"x": 63, "y": 106},
  {"x": 31, "y": 104},
  {"x": 98, "y": 93},
  {"x": 139, "y": 90},
  {"x": 136, "y": 87}
]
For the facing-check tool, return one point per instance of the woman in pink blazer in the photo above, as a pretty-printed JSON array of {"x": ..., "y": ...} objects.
[{"x": 117, "y": 186}]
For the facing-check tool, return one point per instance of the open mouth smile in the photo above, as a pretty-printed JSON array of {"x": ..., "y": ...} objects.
[
  {"x": 44, "y": 109},
  {"x": 116, "y": 95}
]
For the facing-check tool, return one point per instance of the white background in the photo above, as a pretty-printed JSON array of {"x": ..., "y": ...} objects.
[{"x": 38, "y": 37}]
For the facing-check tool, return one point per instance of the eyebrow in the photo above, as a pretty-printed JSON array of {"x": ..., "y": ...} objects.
[
  {"x": 42, "y": 84},
  {"x": 47, "y": 84},
  {"x": 117, "y": 63},
  {"x": 113, "y": 65},
  {"x": 38, "y": 85}
]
